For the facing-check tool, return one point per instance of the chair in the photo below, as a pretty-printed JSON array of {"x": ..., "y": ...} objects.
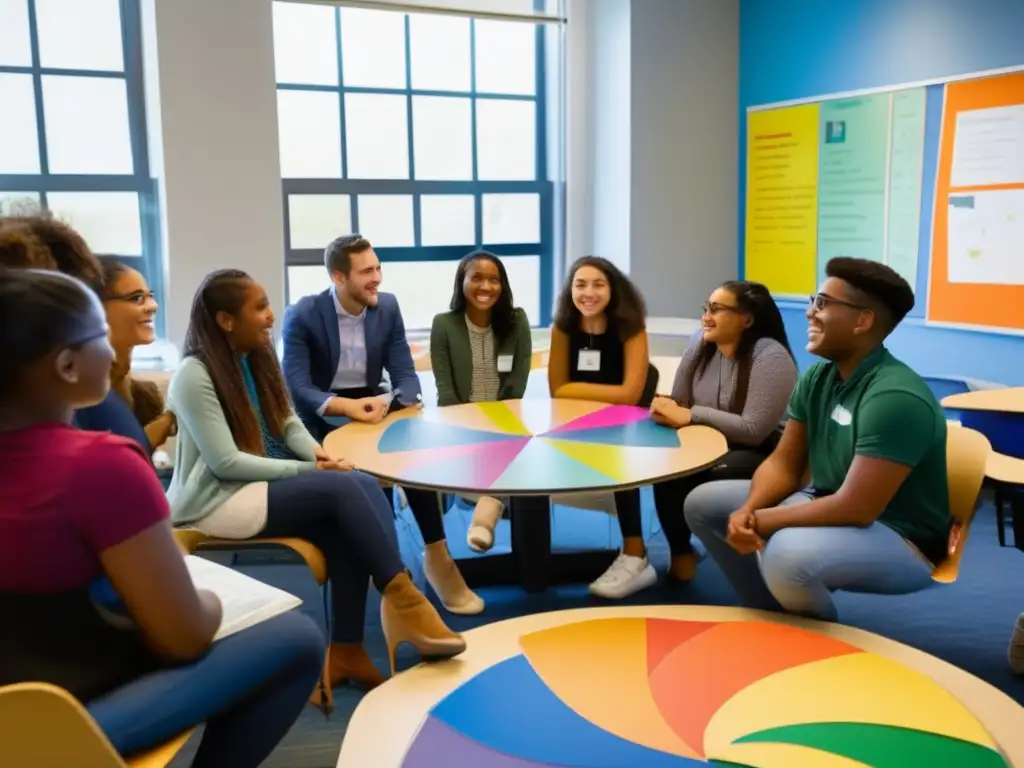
[
  {"x": 967, "y": 453},
  {"x": 42, "y": 725}
]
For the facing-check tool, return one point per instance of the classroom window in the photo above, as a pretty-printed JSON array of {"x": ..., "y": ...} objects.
[
  {"x": 73, "y": 133},
  {"x": 426, "y": 133}
]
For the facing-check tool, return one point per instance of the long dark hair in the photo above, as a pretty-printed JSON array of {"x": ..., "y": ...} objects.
[
  {"x": 39, "y": 312},
  {"x": 503, "y": 312},
  {"x": 225, "y": 291},
  {"x": 753, "y": 299},
  {"x": 626, "y": 311}
]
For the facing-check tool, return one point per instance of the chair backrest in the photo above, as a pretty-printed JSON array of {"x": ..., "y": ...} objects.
[
  {"x": 966, "y": 454},
  {"x": 650, "y": 385},
  {"x": 41, "y": 724}
]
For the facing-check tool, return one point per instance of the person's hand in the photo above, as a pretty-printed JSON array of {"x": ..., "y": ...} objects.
[
  {"x": 324, "y": 461},
  {"x": 741, "y": 532},
  {"x": 368, "y": 410},
  {"x": 665, "y": 411}
]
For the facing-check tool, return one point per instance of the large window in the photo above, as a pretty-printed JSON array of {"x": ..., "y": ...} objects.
[
  {"x": 73, "y": 126},
  {"x": 423, "y": 132}
]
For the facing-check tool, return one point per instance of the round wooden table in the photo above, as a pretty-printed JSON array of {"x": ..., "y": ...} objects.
[
  {"x": 1000, "y": 400},
  {"x": 528, "y": 450},
  {"x": 679, "y": 686}
]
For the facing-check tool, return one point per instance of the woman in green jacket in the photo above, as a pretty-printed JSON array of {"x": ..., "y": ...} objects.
[{"x": 480, "y": 352}]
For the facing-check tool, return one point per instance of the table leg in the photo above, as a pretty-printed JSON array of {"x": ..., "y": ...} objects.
[
  {"x": 1016, "y": 499},
  {"x": 531, "y": 540}
]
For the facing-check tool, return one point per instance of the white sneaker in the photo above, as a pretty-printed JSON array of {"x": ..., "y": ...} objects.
[{"x": 625, "y": 576}]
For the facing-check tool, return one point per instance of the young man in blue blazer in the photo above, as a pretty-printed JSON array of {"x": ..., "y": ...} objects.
[{"x": 337, "y": 345}]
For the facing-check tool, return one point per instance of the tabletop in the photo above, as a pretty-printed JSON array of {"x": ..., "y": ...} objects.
[
  {"x": 679, "y": 686},
  {"x": 525, "y": 447},
  {"x": 1004, "y": 400}
]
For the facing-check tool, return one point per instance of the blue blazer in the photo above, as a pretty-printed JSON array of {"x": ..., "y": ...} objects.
[{"x": 312, "y": 349}]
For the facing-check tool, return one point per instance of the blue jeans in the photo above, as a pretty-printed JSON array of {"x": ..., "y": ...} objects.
[
  {"x": 799, "y": 568},
  {"x": 248, "y": 689}
]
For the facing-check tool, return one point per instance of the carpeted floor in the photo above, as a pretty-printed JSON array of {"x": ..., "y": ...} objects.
[{"x": 967, "y": 624}]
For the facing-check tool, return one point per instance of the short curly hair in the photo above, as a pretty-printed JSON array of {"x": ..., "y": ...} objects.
[
  {"x": 879, "y": 283},
  {"x": 41, "y": 241}
]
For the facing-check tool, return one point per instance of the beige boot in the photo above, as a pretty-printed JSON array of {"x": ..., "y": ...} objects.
[
  {"x": 406, "y": 616},
  {"x": 480, "y": 535},
  {"x": 445, "y": 579}
]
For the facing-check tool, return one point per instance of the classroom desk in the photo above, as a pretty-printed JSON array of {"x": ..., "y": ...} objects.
[
  {"x": 1003, "y": 400},
  {"x": 681, "y": 686},
  {"x": 527, "y": 450}
]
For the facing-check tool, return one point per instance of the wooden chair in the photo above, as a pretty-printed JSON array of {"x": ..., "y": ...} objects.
[
  {"x": 967, "y": 453},
  {"x": 192, "y": 540},
  {"x": 43, "y": 726}
]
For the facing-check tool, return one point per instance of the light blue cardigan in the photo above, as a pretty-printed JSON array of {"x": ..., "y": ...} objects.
[{"x": 208, "y": 467}]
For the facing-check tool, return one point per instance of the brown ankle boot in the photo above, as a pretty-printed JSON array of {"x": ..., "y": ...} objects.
[
  {"x": 345, "y": 662},
  {"x": 683, "y": 568},
  {"x": 408, "y": 617},
  {"x": 323, "y": 695},
  {"x": 444, "y": 578}
]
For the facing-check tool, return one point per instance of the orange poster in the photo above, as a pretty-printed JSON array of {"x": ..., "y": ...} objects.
[{"x": 977, "y": 261}]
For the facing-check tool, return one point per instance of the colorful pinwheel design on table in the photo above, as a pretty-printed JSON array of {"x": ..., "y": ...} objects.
[{"x": 624, "y": 692}]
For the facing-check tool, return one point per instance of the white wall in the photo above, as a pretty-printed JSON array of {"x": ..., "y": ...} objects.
[{"x": 212, "y": 102}]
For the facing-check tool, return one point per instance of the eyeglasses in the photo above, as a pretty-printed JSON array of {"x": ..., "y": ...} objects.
[
  {"x": 821, "y": 300},
  {"x": 713, "y": 309},
  {"x": 137, "y": 297}
]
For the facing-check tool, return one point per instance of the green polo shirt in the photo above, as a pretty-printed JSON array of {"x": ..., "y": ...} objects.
[{"x": 884, "y": 410}]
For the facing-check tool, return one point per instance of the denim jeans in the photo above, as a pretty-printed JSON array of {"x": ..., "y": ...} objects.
[{"x": 799, "y": 568}]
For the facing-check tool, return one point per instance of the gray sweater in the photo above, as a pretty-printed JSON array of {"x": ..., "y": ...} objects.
[{"x": 773, "y": 375}]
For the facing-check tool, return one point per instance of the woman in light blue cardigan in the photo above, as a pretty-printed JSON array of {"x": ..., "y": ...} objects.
[{"x": 246, "y": 467}]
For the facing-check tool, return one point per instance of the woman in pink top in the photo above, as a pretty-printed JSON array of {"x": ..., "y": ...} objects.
[{"x": 88, "y": 563}]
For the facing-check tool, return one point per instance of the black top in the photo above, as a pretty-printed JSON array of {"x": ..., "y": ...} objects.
[
  {"x": 613, "y": 358},
  {"x": 115, "y": 416}
]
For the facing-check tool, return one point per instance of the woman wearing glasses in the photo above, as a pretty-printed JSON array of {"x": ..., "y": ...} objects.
[
  {"x": 736, "y": 375},
  {"x": 132, "y": 408}
]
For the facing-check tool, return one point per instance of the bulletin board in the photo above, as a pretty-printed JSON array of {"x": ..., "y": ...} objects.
[{"x": 928, "y": 179}]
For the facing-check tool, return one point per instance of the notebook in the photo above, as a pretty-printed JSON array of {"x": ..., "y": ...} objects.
[{"x": 246, "y": 601}]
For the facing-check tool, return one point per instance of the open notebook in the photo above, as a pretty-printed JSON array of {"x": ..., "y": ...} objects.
[{"x": 246, "y": 601}]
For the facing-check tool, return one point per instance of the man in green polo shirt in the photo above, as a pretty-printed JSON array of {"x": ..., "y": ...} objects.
[{"x": 876, "y": 516}]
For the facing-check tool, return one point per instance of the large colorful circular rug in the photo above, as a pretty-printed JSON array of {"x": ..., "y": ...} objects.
[{"x": 615, "y": 688}]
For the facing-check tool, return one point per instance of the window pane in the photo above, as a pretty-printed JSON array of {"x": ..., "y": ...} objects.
[
  {"x": 86, "y": 122},
  {"x": 524, "y": 277},
  {"x": 109, "y": 221},
  {"x": 377, "y": 139},
  {"x": 423, "y": 288},
  {"x": 439, "y": 46},
  {"x": 506, "y": 57},
  {"x": 315, "y": 220},
  {"x": 80, "y": 34},
  {"x": 15, "y": 45},
  {"x": 442, "y": 138},
  {"x": 19, "y": 140},
  {"x": 305, "y": 44},
  {"x": 447, "y": 220},
  {"x": 305, "y": 281},
  {"x": 505, "y": 140},
  {"x": 386, "y": 220},
  {"x": 372, "y": 48},
  {"x": 511, "y": 218},
  {"x": 15, "y": 203},
  {"x": 309, "y": 129}
]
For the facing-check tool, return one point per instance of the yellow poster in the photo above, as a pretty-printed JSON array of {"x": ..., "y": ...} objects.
[{"x": 782, "y": 199}]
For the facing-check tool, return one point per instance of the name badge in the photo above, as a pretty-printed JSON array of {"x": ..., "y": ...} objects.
[
  {"x": 505, "y": 363},
  {"x": 589, "y": 360},
  {"x": 841, "y": 416}
]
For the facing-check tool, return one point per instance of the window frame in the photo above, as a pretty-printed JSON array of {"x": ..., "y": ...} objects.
[
  {"x": 140, "y": 181},
  {"x": 542, "y": 186}
]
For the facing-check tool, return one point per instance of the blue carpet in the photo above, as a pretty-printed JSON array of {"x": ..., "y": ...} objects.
[{"x": 967, "y": 624}]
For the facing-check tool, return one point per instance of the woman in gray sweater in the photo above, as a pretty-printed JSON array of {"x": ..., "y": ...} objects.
[{"x": 736, "y": 375}]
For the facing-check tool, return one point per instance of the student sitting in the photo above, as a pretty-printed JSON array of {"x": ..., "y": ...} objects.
[
  {"x": 481, "y": 351},
  {"x": 81, "y": 512},
  {"x": 132, "y": 408},
  {"x": 736, "y": 375},
  {"x": 599, "y": 352},
  {"x": 876, "y": 518},
  {"x": 246, "y": 467}
]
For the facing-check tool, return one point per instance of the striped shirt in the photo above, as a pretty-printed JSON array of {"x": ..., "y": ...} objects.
[{"x": 485, "y": 380}]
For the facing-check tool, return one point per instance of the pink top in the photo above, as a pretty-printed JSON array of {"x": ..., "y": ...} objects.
[{"x": 66, "y": 495}]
